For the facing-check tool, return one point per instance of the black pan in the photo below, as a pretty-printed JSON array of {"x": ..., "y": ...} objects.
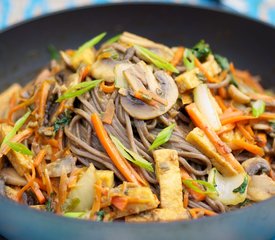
[{"x": 23, "y": 50}]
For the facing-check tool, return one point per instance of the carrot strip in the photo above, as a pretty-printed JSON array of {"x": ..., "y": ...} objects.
[
  {"x": 221, "y": 103},
  {"x": 196, "y": 195},
  {"x": 222, "y": 92},
  {"x": 40, "y": 184},
  {"x": 185, "y": 199},
  {"x": 154, "y": 96},
  {"x": 261, "y": 139},
  {"x": 232, "y": 68},
  {"x": 248, "y": 80},
  {"x": 236, "y": 119},
  {"x": 220, "y": 146},
  {"x": 241, "y": 144},
  {"x": 108, "y": 115},
  {"x": 43, "y": 99},
  {"x": 120, "y": 202},
  {"x": 59, "y": 110},
  {"x": 118, "y": 160},
  {"x": 249, "y": 129},
  {"x": 48, "y": 183},
  {"x": 96, "y": 204},
  {"x": 62, "y": 190},
  {"x": 245, "y": 133},
  {"x": 226, "y": 128},
  {"x": 205, "y": 211},
  {"x": 203, "y": 70},
  {"x": 193, "y": 214},
  {"x": 107, "y": 88},
  {"x": 177, "y": 56},
  {"x": 39, "y": 158}
]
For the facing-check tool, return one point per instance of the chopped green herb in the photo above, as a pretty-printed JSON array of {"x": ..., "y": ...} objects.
[
  {"x": 90, "y": 43},
  {"x": 100, "y": 216},
  {"x": 53, "y": 52},
  {"x": 78, "y": 89},
  {"x": 74, "y": 214},
  {"x": 113, "y": 39},
  {"x": 210, "y": 189},
  {"x": 245, "y": 203},
  {"x": 19, "y": 123},
  {"x": 222, "y": 61},
  {"x": 62, "y": 121},
  {"x": 188, "y": 59},
  {"x": 19, "y": 147},
  {"x": 233, "y": 81},
  {"x": 258, "y": 108},
  {"x": 155, "y": 59},
  {"x": 242, "y": 188},
  {"x": 132, "y": 156},
  {"x": 162, "y": 137},
  {"x": 201, "y": 50}
]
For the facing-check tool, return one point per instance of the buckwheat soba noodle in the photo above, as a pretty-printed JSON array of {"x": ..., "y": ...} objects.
[{"x": 137, "y": 131}]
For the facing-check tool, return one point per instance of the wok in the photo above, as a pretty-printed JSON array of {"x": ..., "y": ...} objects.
[{"x": 23, "y": 51}]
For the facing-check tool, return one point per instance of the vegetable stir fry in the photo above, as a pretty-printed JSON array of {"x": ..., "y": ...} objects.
[{"x": 138, "y": 131}]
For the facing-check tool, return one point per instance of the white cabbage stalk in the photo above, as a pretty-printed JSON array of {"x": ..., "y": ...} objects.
[
  {"x": 204, "y": 102},
  {"x": 225, "y": 187}
]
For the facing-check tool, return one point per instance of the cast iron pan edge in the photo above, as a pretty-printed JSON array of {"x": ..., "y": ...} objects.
[{"x": 247, "y": 42}]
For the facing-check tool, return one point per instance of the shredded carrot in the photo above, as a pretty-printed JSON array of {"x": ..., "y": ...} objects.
[
  {"x": 193, "y": 214},
  {"x": 222, "y": 92},
  {"x": 261, "y": 139},
  {"x": 221, "y": 103},
  {"x": 223, "y": 75},
  {"x": 154, "y": 96},
  {"x": 17, "y": 138},
  {"x": 40, "y": 184},
  {"x": 59, "y": 137},
  {"x": 220, "y": 146},
  {"x": 177, "y": 56},
  {"x": 247, "y": 79},
  {"x": 35, "y": 188},
  {"x": 119, "y": 161},
  {"x": 196, "y": 195},
  {"x": 97, "y": 200},
  {"x": 44, "y": 91},
  {"x": 241, "y": 144},
  {"x": 39, "y": 158},
  {"x": 245, "y": 133},
  {"x": 85, "y": 72},
  {"x": 48, "y": 182},
  {"x": 226, "y": 128},
  {"x": 120, "y": 202},
  {"x": 236, "y": 119},
  {"x": 250, "y": 130},
  {"x": 204, "y": 71},
  {"x": 144, "y": 98},
  {"x": 232, "y": 68},
  {"x": 108, "y": 115},
  {"x": 59, "y": 110},
  {"x": 185, "y": 199},
  {"x": 107, "y": 88},
  {"x": 205, "y": 211},
  {"x": 62, "y": 190}
]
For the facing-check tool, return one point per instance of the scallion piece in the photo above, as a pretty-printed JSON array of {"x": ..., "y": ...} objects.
[
  {"x": 19, "y": 123},
  {"x": 163, "y": 137},
  {"x": 79, "y": 89},
  {"x": 113, "y": 39},
  {"x": 222, "y": 61},
  {"x": 132, "y": 156},
  {"x": 74, "y": 214},
  {"x": 53, "y": 52},
  {"x": 155, "y": 59},
  {"x": 19, "y": 147},
  {"x": 90, "y": 43},
  {"x": 188, "y": 59},
  {"x": 210, "y": 189},
  {"x": 258, "y": 108}
]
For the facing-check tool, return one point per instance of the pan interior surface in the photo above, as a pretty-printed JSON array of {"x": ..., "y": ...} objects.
[{"x": 23, "y": 52}]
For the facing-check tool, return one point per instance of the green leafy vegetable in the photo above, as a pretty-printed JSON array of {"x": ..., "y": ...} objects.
[
  {"x": 132, "y": 156},
  {"x": 233, "y": 81},
  {"x": 100, "y": 215},
  {"x": 155, "y": 59},
  {"x": 74, "y": 214},
  {"x": 90, "y": 43},
  {"x": 79, "y": 89},
  {"x": 19, "y": 123},
  {"x": 245, "y": 203},
  {"x": 113, "y": 39},
  {"x": 53, "y": 52},
  {"x": 62, "y": 121},
  {"x": 242, "y": 188},
  {"x": 258, "y": 108},
  {"x": 163, "y": 137},
  {"x": 201, "y": 50},
  {"x": 210, "y": 189},
  {"x": 19, "y": 147},
  {"x": 222, "y": 61},
  {"x": 188, "y": 59}
]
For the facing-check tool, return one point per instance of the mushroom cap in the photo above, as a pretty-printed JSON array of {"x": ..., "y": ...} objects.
[{"x": 256, "y": 165}]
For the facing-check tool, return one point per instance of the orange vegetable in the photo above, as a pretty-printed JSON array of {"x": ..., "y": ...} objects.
[
  {"x": 108, "y": 115},
  {"x": 178, "y": 56},
  {"x": 96, "y": 204},
  {"x": 204, "y": 71},
  {"x": 226, "y": 128},
  {"x": 241, "y": 144},
  {"x": 246, "y": 77},
  {"x": 59, "y": 110},
  {"x": 194, "y": 211},
  {"x": 185, "y": 199},
  {"x": 261, "y": 139},
  {"x": 39, "y": 158},
  {"x": 107, "y": 88},
  {"x": 120, "y": 202},
  {"x": 48, "y": 182},
  {"x": 236, "y": 119},
  {"x": 245, "y": 133},
  {"x": 221, "y": 103},
  {"x": 44, "y": 91},
  {"x": 62, "y": 190},
  {"x": 250, "y": 130},
  {"x": 220, "y": 146},
  {"x": 196, "y": 195},
  {"x": 222, "y": 92},
  {"x": 120, "y": 162}
]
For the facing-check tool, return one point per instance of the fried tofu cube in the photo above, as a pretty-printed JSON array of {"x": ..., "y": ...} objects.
[
  {"x": 198, "y": 138},
  {"x": 168, "y": 174},
  {"x": 12, "y": 91},
  {"x": 21, "y": 163},
  {"x": 106, "y": 177},
  {"x": 159, "y": 215},
  {"x": 189, "y": 80}
]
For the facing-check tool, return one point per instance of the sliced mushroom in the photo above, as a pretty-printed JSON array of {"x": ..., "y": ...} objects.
[
  {"x": 166, "y": 89},
  {"x": 11, "y": 177},
  {"x": 260, "y": 188},
  {"x": 161, "y": 50},
  {"x": 237, "y": 95},
  {"x": 55, "y": 168},
  {"x": 256, "y": 165}
]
